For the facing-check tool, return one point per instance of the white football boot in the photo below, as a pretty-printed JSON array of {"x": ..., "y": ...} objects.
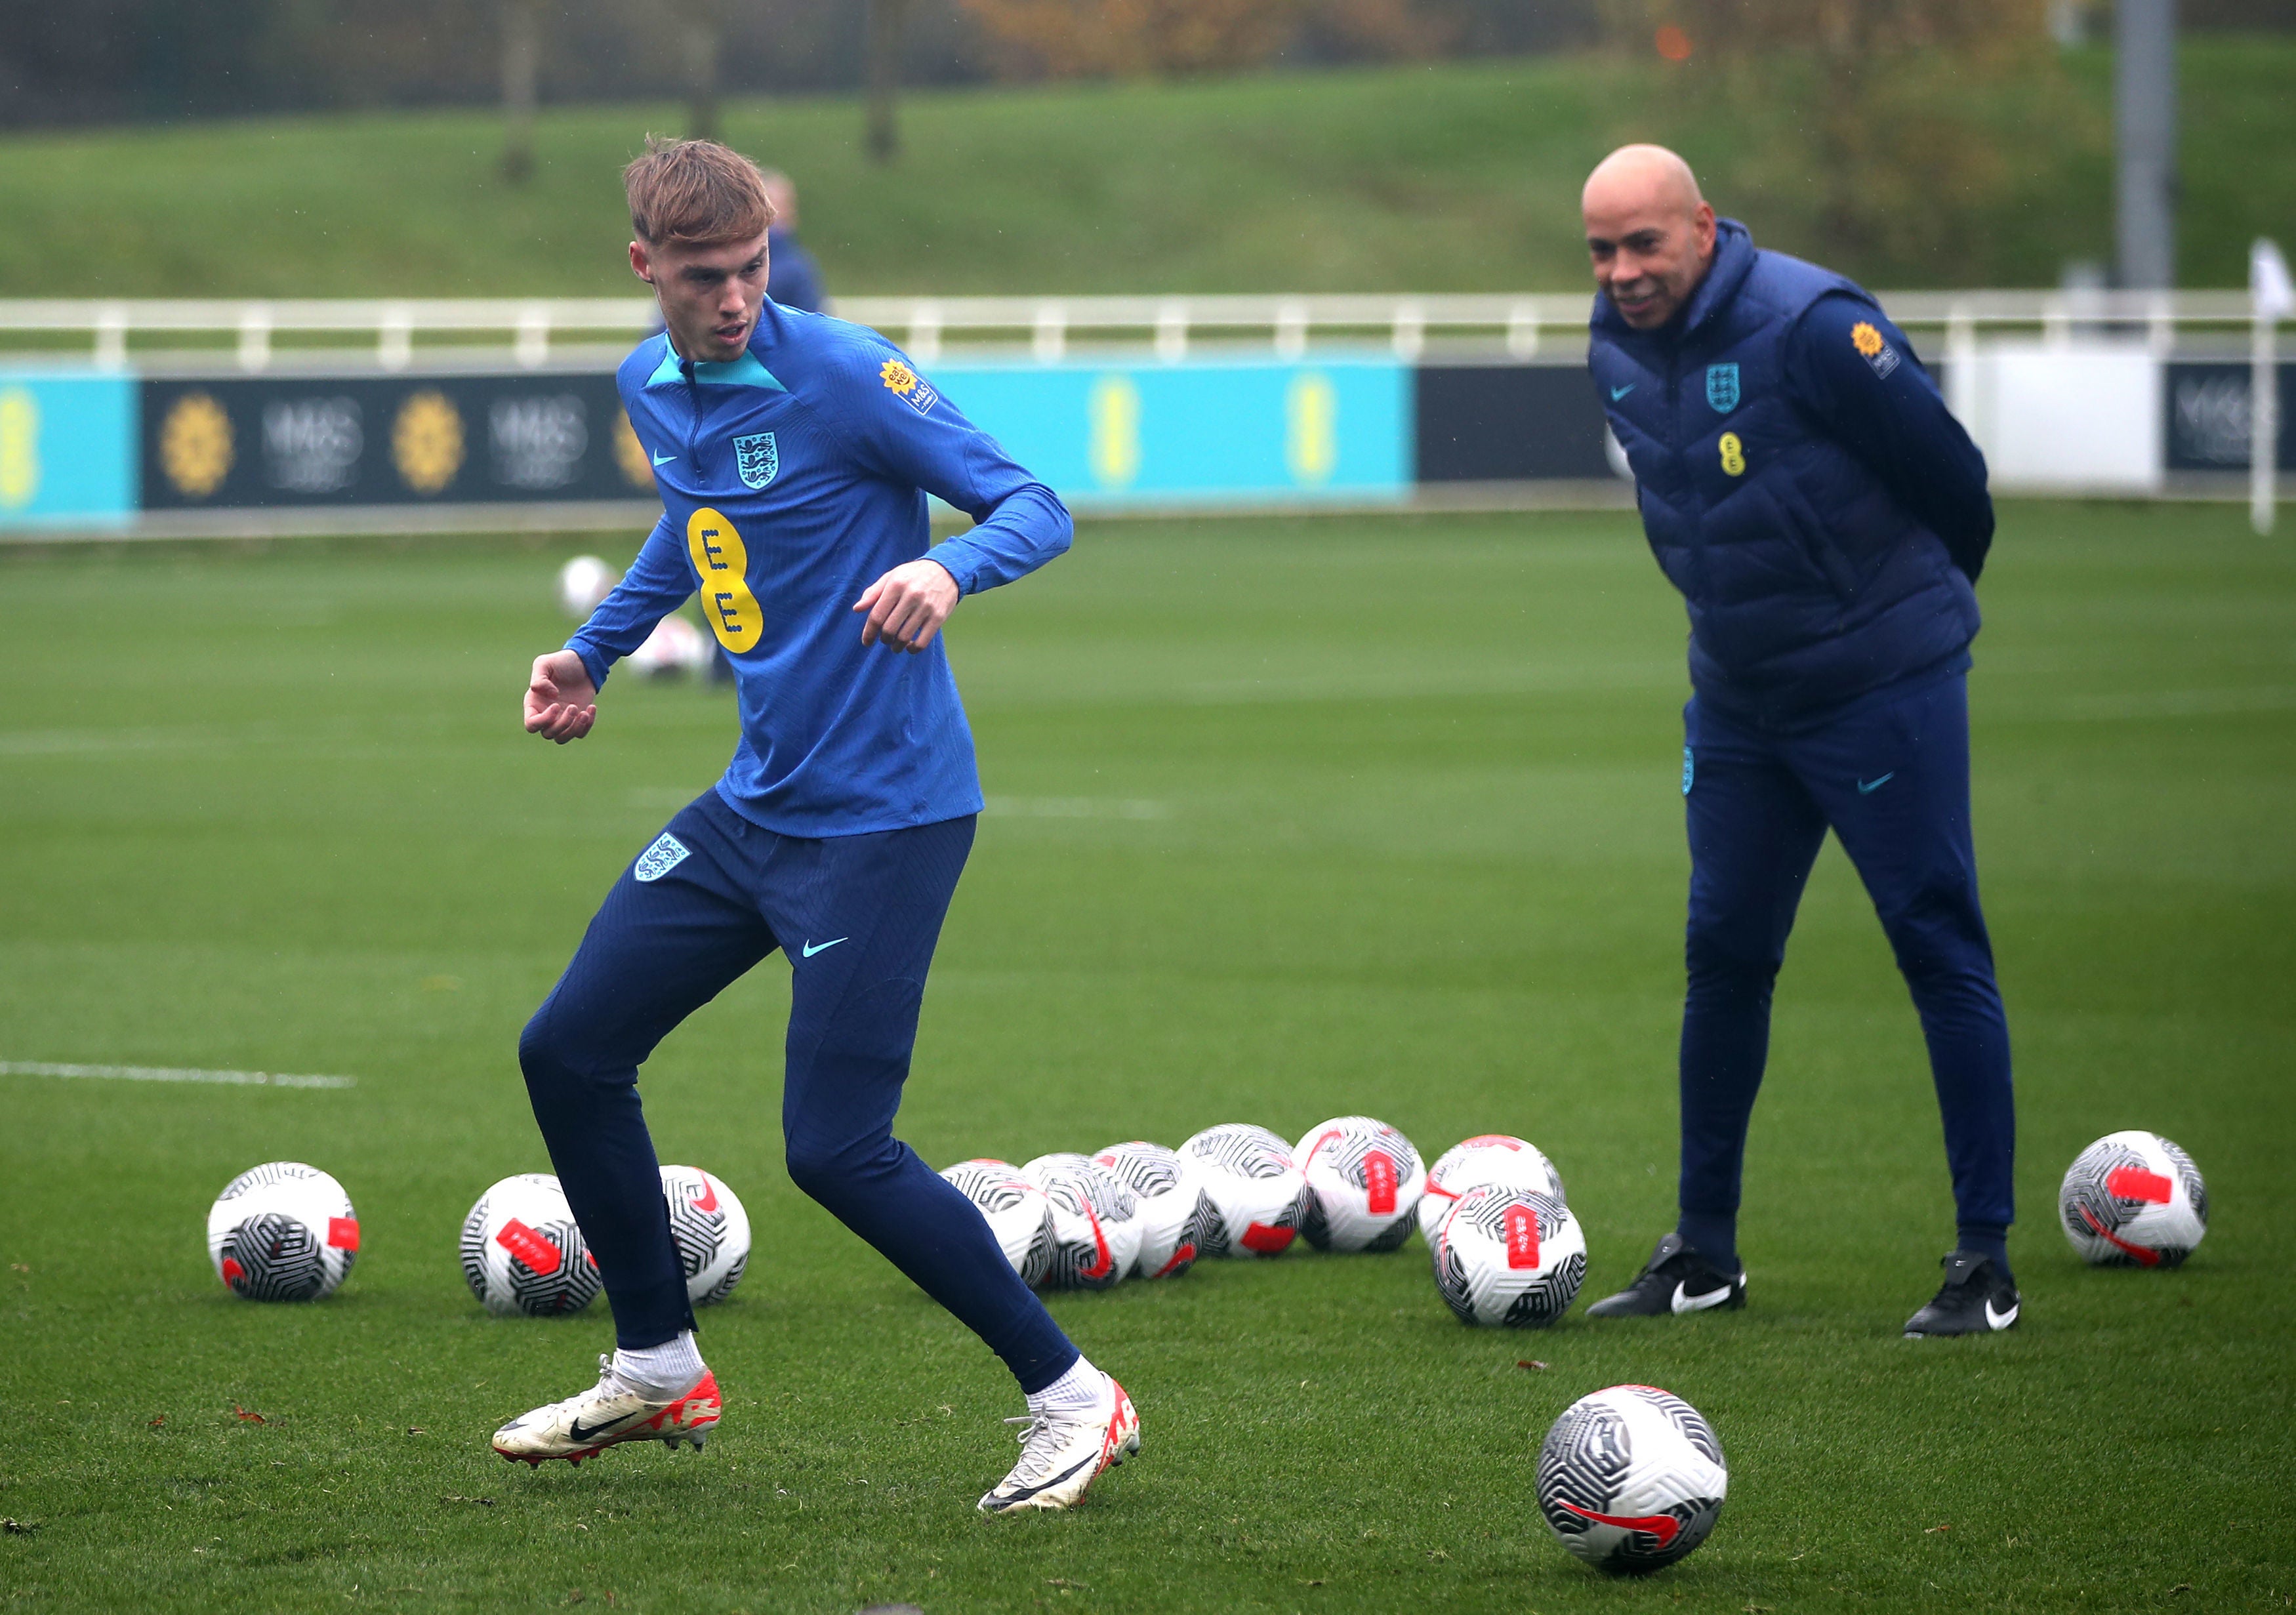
[
  {"x": 611, "y": 1412},
  {"x": 1063, "y": 1450}
]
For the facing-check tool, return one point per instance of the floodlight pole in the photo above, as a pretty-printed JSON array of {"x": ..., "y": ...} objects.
[{"x": 2145, "y": 116}]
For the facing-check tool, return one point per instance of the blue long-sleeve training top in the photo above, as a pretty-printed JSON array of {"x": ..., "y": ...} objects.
[{"x": 791, "y": 479}]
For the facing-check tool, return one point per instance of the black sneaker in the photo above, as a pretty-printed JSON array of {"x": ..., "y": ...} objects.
[
  {"x": 1676, "y": 1280},
  {"x": 1977, "y": 1297}
]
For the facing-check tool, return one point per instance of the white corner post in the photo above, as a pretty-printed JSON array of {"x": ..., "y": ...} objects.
[{"x": 2271, "y": 298}]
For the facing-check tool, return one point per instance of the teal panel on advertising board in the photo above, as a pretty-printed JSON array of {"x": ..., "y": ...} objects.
[
  {"x": 1206, "y": 431},
  {"x": 68, "y": 449}
]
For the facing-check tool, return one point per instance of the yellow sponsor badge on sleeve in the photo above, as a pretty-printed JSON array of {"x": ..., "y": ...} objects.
[{"x": 722, "y": 563}]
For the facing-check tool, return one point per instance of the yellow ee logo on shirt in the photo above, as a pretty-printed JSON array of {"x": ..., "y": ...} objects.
[
  {"x": 722, "y": 563},
  {"x": 1734, "y": 455}
]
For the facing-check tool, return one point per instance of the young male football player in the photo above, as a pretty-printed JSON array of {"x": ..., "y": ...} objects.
[{"x": 793, "y": 453}]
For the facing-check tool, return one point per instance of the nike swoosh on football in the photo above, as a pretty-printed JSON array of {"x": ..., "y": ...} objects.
[
  {"x": 663, "y": 459},
  {"x": 1683, "y": 1301},
  {"x": 812, "y": 949},
  {"x": 1619, "y": 392},
  {"x": 575, "y": 1433},
  {"x": 1666, "y": 1528},
  {"x": 1867, "y": 787}
]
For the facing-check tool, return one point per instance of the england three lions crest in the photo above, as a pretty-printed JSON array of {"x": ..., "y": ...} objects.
[
  {"x": 758, "y": 458},
  {"x": 1722, "y": 388}
]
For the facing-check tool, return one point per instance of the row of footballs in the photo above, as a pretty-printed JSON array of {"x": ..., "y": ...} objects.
[
  {"x": 287, "y": 1232},
  {"x": 1506, "y": 1248}
]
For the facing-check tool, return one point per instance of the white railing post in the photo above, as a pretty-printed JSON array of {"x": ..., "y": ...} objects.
[
  {"x": 255, "y": 337},
  {"x": 2160, "y": 327},
  {"x": 393, "y": 339},
  {"x": 532, "y": 349},
  {"x": 111, "y": 337},
  {"x": 924, "y": 332},
  {"x": 1172, "y": 332},
  {"x": 1522, "y": 331},
  {"x": 1291, "y": 330},
  {"x": 1051, "y": 333},
  {"x": 1410, "y": 332},
  {"x": 1961, "y": 366}
]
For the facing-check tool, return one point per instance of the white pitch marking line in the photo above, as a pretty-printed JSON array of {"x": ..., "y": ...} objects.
[{"x": 158, "y": 1073}]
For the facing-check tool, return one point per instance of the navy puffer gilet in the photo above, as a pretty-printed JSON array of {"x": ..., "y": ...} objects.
[{"x": 1809, "y": 584}]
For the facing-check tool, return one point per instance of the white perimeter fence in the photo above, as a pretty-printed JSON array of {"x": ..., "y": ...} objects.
[{"x": 2068, "y": 391}]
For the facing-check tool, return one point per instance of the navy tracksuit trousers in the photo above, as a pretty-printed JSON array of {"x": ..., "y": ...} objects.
[
  {"x": 858, "y": 917},
  {"x": 1888, "y": 774}
]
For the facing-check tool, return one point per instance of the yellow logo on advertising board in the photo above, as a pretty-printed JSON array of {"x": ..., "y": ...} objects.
[
  {"x": 426, "y": 441},
  {"x": 20, "y": 448},
  {"x": 1734, "y": 455},
  {"x": 195, "y": 448},
  {"x": 1311, "y": 437},
  {"x": 722, "y": 562},
  {"x": 1114, "y": 411},
  {"x": 630, "y": 455}
]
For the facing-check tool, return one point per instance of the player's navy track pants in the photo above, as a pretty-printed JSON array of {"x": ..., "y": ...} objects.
[
  {"x": 858, "y": 917},
  {"x": 1890, "y": 776}
]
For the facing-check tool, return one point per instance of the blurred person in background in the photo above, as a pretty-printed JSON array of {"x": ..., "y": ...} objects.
[
  {"x": 1825, "y": 518},
  {"x": 793, "y": 280}
]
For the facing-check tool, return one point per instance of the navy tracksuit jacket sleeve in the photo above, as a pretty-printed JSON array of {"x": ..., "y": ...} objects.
[{"x": 1857, "y": 375}]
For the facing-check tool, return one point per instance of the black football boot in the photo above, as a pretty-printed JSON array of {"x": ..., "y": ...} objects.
[
  {"x": 1976, "y": 1298},
  {"x": 1678, "y": 1279}
]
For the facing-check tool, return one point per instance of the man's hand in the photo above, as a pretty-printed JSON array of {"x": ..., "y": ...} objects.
[
  {"x": 561, "y": 703},
  {"x": 907, "y": 605}
]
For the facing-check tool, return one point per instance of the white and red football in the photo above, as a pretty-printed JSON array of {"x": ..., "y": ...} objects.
[
  {"x": 1176, "y": 1214},
  {"x": 711, "y": 1231},
  {"x": 1258, "y": 1190},
  {"x": 522, "y": 1251},
  {"x": 1095, "y": 1222},
  {"x": 1018, "y": 1214},
  {"x": 1488, "y": 1158},
  {"x": 2133, "y": 1199},
  {"x": 1631, "y": 1479},
  {"x": 283, "y": 1231},
  {"x": 1365, "y": 1180}
]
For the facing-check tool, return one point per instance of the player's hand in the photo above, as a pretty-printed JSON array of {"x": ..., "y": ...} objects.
[
  {"x": 907, "y": 605},
  {"x": 561, "y": 703}
]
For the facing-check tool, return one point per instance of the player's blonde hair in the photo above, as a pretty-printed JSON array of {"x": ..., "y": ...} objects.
[{"x": 695, "y": 193}]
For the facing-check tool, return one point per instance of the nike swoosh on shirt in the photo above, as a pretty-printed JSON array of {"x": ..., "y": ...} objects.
[
  {"x": 1619, "y": 392},
  {"x": 663, "y": 459},
  {"x": 1868, "y": 787},
  {"x": 812, "y": 949}
]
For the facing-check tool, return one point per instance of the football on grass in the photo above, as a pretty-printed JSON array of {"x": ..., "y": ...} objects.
[
  {"x": 1364, "y": 1183},
  {"x": 1095, "y": 1223},
  {"x": 1509, "y": 1257},
  {"x": 1018, "y": 1215},
  {"x": 522, "y": 1252},
  {"x": 283, "y": 1231},
  {"x": 2133, "y": 1199},
  {"x": 1175, "y": 1212},
  {"x": 711, "y": 1231},
  {"x": 1488, "y": 1158},
  {"x": 1631, "y": 1479},
  {"x": 1255, "y": 1187}
]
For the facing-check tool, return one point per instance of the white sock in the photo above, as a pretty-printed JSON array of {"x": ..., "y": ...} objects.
[
  {"x": 1082, "y": 1387},
  {"x": 660, "y": 1371}
]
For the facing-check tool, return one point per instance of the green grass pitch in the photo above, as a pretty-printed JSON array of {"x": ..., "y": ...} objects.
[{"x": 1289, "y": 819}]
